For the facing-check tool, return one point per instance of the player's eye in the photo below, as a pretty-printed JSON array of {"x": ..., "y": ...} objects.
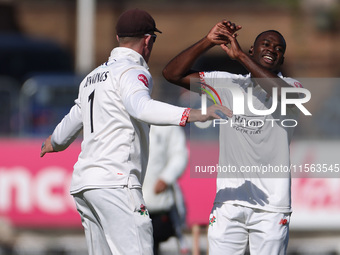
[{"x": 280, "y": 49}]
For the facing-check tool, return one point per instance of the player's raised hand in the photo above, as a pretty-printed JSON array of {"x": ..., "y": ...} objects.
[
  {"x": 231, "y": 27},
  {"x": 46, "y": 147},
  {"x": 232, "y": 48},
  {"x": 220, "y": 32}
]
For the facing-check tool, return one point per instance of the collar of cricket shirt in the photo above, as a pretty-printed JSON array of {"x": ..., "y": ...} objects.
[{"x": 119, "y": 52}]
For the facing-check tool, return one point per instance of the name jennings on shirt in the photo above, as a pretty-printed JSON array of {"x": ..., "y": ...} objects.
[{"x": 95, "y": 78}]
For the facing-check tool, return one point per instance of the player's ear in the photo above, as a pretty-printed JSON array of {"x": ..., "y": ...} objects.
[
  {"x": 147, "y": 39},
  {"x": 251, "y": 51}
]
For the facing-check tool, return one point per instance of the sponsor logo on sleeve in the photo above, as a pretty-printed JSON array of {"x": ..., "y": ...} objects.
[{"x": 143, "y": 79}]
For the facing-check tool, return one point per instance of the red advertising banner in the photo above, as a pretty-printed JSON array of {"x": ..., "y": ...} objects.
[{"x": 34, "y": 191}]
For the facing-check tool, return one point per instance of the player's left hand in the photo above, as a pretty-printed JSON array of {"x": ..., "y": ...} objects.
[{"x": 46, "y": 147}]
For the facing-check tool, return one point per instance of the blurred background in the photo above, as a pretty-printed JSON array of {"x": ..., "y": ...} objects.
[{"x": 48, "y": 46}]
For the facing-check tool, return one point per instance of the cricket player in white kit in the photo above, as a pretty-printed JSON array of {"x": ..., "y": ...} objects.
[
  {"x": 113, "y": 109},
  {"x": 249, "y": 207}
]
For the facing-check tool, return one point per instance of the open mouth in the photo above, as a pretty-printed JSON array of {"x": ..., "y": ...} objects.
[{"x": 269, "y": 59}]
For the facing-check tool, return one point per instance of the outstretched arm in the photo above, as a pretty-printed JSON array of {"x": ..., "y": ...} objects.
[{"x": 178, "y": 70}]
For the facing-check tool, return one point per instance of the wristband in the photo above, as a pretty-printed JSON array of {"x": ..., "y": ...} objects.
[{"x": 185, "y": 117}]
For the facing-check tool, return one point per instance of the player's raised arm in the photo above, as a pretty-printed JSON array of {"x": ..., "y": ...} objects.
[{"x": 179, "y": 69}]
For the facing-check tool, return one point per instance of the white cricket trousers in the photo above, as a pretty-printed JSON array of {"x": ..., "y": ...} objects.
[
  {"x": 232, "y": 226},
  {"x": 115, "y": 221}
]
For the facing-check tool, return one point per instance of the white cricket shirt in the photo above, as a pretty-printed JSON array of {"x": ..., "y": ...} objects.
[
  {"x": 114, "y": 109},
  {"x": 251, "y": 144}
]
